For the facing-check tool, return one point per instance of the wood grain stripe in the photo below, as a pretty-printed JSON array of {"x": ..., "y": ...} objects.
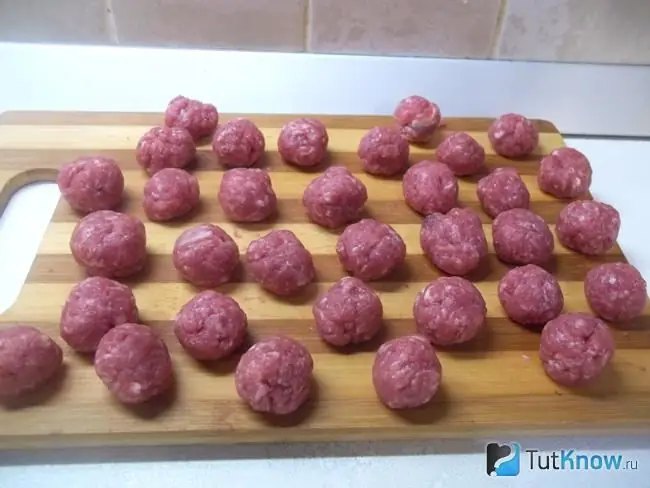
[
  {"x": 500, "y": 334},
  {"x": 207, "y": 161},
  {"x": 292, "y": 211},
  {"x": 61, "y": 268},
  {"x": 152, "y": 119},
  {"x": 161, "y": 237},
  {"x": 161, "y": 301},
  {"x": 94, "y": 137}
]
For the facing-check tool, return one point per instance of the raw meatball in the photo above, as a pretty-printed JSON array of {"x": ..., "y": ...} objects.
[
  {"x": 109, "y": 244},
  {"x": 406, "y": 372},
  {"x": 616, "y": 291},
  {"x": 238, "y": 143},
  {"x": 169, "y": 194},
  {"x": 449, "y": 310},
  {"x": 274, "y": 375},
  {"x": 92, "y": 183},
  {"x": 95, "y": 306},
  {"x": 430, "y": 187},
  {"x": 303, "y": 142},
  {"x": 522, "y": 237},
  {"x": 454, "y": 242},
  {"x": 530, "y": 295},
  {"x": 199, "y": 119},
  {"x": 575, "y": 348},
  {"x": 370, "y": 249},
  {"x": 588, "y": 227},
  {"x": 280, "y": 263},
  {"x": 28, "y": 359},
  {"x": 565, "y": 173},
  {"x": 165, "y": 147},
  {"x": 384, "y": 151},
  {"x": 210, "y": 326},
  {"x": 205, "y": 255},
  {"x": 462, "y": 154},
  {"x": 349, "y": 313},
  {"x": 513, "y": 136},
  {"x": 502, "y": 190},
  {"x": 418, "y": 118},
  {"x": 134, "y": 364},
  {"x": 246, "y": 195},
  {"x": 335, "y": 198}
]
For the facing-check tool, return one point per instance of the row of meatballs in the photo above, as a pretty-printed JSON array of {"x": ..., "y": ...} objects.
[
  {"x": 112, "y": 244},
  {"x": 96, "y": 183},
  {"x": 275, "y": 375}
]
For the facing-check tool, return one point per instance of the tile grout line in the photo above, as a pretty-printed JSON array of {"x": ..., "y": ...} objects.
[
  {"x": 111, "y": 26},
  {"x": 306, "y": 25},
  {"x": 494, "y": 44}
]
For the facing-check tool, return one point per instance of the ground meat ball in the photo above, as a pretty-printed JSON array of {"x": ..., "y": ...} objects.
[
  {"x": 210, "y": 326},
  {"x": 370, "y": 249},
  {"x": 238, "y": 143},
  {"x": 522, "y": 237},
  {"x": 384, "y": 151},
  {"x": 502, "y": 190},
  {"x": 165, "y": 147},
  {"x": 418, "y": 118},
  {"x": 335, "y": 198},
  {"x": 94, "y": 307},
  {"x": 588, "y": 227},
  {"x": 246, "y": 195},
  {"x": 28, "y": 359},
  {"x": 616, "y": 291},
  {"x": 109, "y": 244},
  {"x": 575, "y": 348},
  {"x": 462, "y": 154},
  {"x": 455, "y": 242},
  {"x": 565, "y": 173},
  {"x": 449, "y": 310},
  {"x": 303, "y": 142},
  {"x": 406, "y": 372},
  {"x": 430, "y": 187},
  {"x": 134, "y": 364},
  {"x": 92, "y": 183},
  {"x": 274, "y": 375},
  {"x": 169, "y": 194},
  {"x": 530, "y": 295},
  {"x": 199, "y": 119},
  {"x": 205, "y": 255},
  {"x": 349, "y": 313},
  {"x": 513, "y": 136},
  {"x": 280, "y": 263}
]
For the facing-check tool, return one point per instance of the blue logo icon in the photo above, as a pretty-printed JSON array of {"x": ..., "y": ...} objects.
[{"x": 502, "y": 459}]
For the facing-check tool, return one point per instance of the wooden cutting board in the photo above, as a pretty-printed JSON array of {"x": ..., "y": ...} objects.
[{"x": 491, "y": 386}]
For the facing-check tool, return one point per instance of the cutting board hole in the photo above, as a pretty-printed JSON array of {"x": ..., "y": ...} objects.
[{"x": 22, "y": 227}]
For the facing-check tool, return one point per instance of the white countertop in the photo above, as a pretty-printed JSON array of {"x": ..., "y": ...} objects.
[{"x": 621, "y": 173}]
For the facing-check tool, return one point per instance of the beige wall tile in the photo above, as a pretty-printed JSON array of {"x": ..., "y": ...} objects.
[
  {"x": 239, "y": 24},
  {"x": 616, "y": 31},
  {"x": 53, "y": 20},
  {"x": 458, "y": 28}
]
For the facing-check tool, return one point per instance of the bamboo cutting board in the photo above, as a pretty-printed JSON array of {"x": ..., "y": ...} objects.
[{"x": 491, "y": 386}]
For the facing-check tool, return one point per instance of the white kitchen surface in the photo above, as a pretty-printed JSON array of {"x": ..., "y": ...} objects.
[{"x": 621, "y": 175}]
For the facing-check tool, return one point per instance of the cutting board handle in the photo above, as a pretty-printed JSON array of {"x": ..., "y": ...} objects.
[{"x": 13, "y": 180}]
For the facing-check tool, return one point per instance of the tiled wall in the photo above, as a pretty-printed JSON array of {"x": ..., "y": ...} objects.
[{"x": 611, "y": 31}]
